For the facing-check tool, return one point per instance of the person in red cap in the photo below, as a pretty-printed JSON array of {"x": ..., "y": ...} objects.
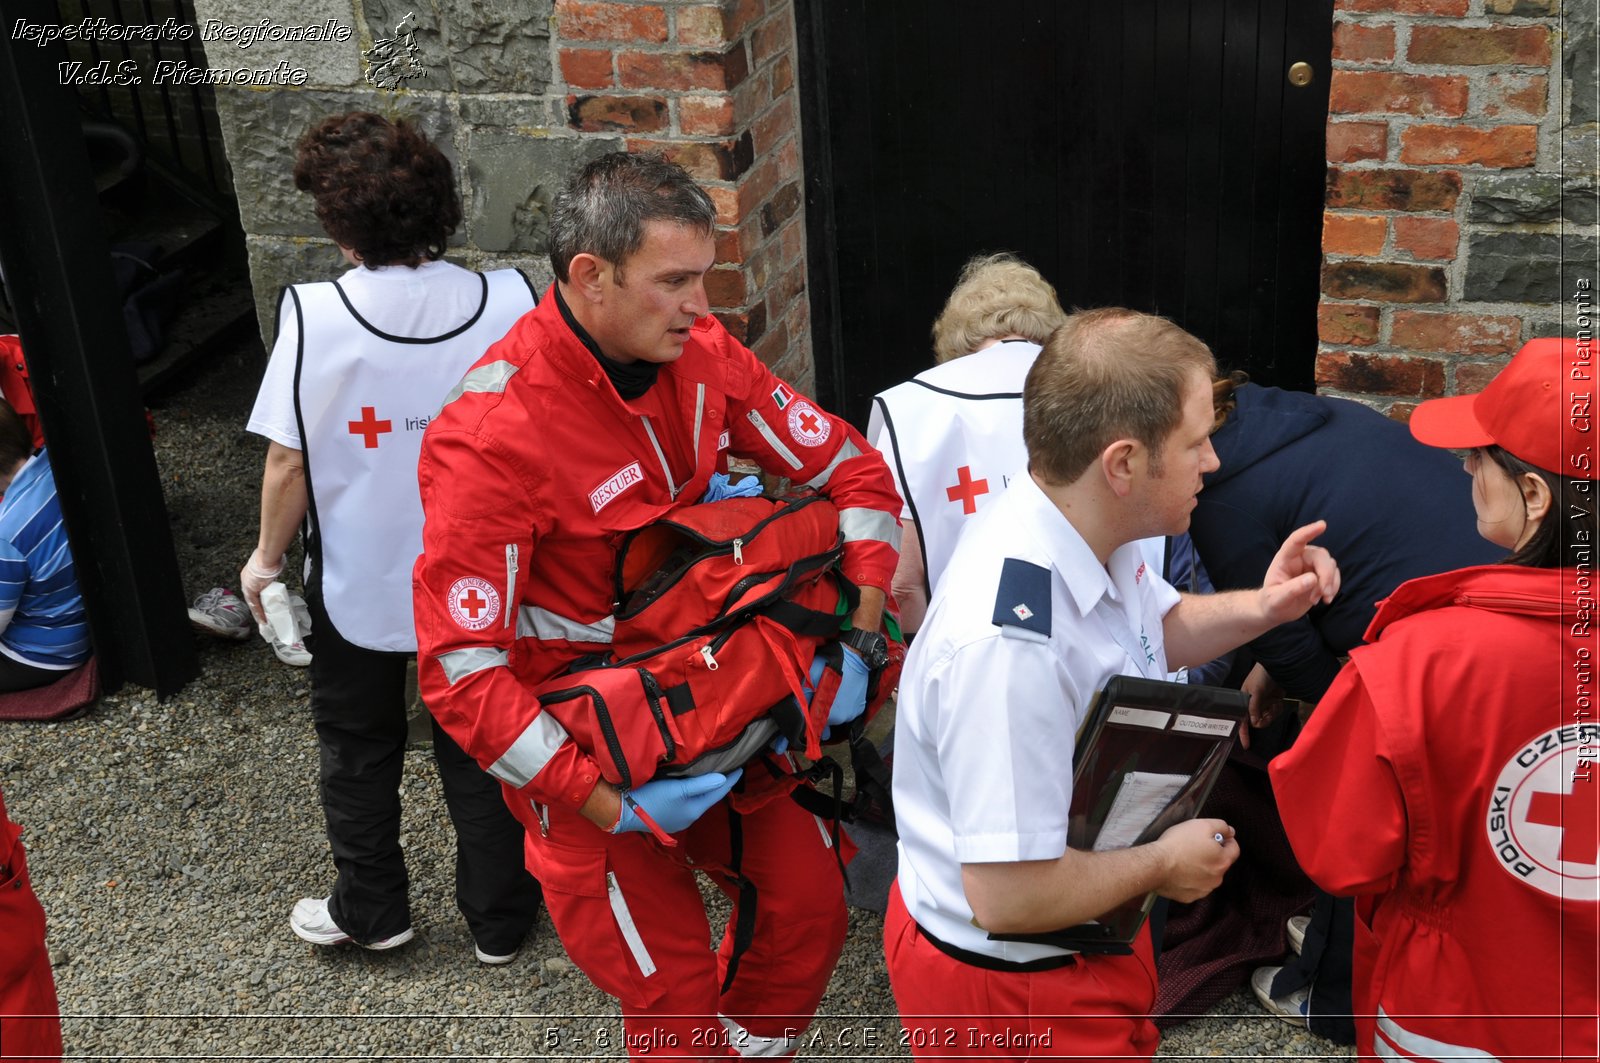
[{"x": 1449, "y": 780}]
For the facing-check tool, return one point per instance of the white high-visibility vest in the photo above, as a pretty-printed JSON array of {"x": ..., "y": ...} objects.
[
  {"x": 952, "y": 436},
  {"x": 953, "y": 439},
  {"x": 362, "y": 398}
]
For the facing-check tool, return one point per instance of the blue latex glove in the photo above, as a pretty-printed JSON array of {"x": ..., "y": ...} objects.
[
  {"x": 851, "y": 701},
  {"x": 673, "y": 803},
  {"x": 720, "y": 488}
]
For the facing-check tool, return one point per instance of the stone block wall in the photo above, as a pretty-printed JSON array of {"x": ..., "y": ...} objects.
[
  {"x": 1461, "y": 206},
  {"x": 518, "y": 93}
]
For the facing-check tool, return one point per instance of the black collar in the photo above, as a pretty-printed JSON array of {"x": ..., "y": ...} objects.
[{"x": 631, "y": 379}]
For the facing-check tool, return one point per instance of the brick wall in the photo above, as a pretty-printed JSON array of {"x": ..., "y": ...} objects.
[
  {"x": 1460, "y": 211},
  {"x": 518, "y": 93},
  {"x": 712, "y": 86}
]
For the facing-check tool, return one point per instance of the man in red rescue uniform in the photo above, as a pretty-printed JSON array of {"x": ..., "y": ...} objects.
[{"x": 605, "y": 409}]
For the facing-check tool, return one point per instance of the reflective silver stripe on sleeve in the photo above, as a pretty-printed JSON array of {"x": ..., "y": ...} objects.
[
  {"x": 486, "y": 378},
  {"x": 530, "y": 752},
  {"x": 458, "y": 664},
  {"x": 859, "y": 523},
  {"x": 543, "y": 624},
  {"x": 846, "y": 452},
  {"x": 1416, "y": 1045},
  {"x": 773, "y": 441}
]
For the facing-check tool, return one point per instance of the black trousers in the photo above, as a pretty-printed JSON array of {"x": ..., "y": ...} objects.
[
  {"x": 14, "y": 675},
  {"x": 358, "y": 705},
  {"x": 1324, "y": 964}
]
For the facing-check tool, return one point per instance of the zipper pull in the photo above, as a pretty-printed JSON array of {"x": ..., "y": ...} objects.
[
  {"x": 711, "y": 662},
  {"x": 738, "y": 551},
  {"x": 511, "y": 583}
]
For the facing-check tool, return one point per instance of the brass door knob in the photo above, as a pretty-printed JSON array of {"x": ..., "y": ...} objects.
[{"x": 1301, "y": 74}]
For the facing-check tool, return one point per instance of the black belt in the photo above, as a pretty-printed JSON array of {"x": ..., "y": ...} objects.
[{"x": 994, "y": 963}]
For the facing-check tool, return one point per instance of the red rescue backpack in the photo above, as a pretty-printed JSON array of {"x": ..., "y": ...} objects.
[{"x": 722, "y": 607}]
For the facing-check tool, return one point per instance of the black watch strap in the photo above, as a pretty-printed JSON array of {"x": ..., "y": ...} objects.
[{"x": 872, "y": 645}]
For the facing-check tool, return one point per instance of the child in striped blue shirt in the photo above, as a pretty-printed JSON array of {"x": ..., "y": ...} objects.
[{"x": 43, "y": 629}]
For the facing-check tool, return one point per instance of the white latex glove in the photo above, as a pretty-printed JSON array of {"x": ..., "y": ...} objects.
[{"x": 253, "y": 579}]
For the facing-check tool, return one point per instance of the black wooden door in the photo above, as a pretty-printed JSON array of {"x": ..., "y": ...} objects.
[{"x": 1144, "y": 153}]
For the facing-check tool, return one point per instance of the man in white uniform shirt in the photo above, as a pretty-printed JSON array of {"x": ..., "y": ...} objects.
[{"x": 1045, "y": 599}]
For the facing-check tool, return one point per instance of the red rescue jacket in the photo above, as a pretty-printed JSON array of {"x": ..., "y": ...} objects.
[
  {"x": 1448, "y": 781},
  {"x": 531, "y": 476}
]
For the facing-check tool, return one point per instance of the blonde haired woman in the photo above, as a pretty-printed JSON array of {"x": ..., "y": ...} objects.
[{"x": 953, "y": 434}]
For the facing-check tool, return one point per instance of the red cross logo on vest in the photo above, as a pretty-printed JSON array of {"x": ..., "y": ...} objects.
[
  {"x": 473, "y": 603},
  {"x": 966, "y": 490},
  {"x": 1544, "y": 814},
  {"x": 369, "y": 428}
]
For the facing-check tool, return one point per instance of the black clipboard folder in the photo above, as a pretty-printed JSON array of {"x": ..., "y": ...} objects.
[{"x": 1143, "y": 736}]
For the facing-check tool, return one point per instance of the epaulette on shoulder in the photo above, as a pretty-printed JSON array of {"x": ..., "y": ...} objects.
[{"x": 1022, "y": 602}]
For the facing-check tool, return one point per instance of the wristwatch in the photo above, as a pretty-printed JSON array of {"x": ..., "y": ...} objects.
[{"x": 871, "y": 645}]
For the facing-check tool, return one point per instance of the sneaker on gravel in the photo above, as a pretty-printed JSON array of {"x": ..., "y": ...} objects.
[
  {"x": 494, "y": 959},
  {"x": 311, "y": 922},
  {"x": 1297, "y": 932},
  {"x": 1293, "y": 1008},
  {"x": 294, "y": 653},
  {"x": 220, "y": 612}
]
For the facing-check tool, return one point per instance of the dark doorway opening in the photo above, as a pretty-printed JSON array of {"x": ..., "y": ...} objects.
[{"x": 1152, "y": 154}]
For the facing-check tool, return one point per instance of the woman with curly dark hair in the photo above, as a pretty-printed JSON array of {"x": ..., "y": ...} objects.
[{"x": 359, "y": 367}]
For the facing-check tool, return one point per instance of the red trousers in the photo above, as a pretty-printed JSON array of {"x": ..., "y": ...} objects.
[
  {"x": 1096, "y": 1008},
  {"x": 30, "y": 1030},
  {"x": 630, "y": 915}
]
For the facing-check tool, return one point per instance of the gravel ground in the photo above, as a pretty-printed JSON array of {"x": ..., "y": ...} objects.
[{"x": 168, "y": 841}]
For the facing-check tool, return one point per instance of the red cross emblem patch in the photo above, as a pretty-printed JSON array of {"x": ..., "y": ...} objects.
[
  {"x": 369, "y": 428},
  {"x": 473, "y": 603},
  {"x": 808, "y": 425},
  {"x": 1544, "y": 814},
  {"x": 966, "y": 490}
]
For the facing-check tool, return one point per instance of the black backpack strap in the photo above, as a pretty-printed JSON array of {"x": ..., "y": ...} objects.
[
  {"x": 874, "y": 787},
  {"x": 832, "y": 809},
  {"x": 744, "y": 929},
  {"x": 803, "y": 621}
]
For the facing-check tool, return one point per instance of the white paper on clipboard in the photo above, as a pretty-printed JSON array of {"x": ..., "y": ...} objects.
[{"x": 1140, "y": 798}]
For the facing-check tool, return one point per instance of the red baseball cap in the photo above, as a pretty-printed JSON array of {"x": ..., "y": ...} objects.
[{"x": 1538, "y": 409}]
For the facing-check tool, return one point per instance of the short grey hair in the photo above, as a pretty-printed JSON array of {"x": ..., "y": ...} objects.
[
  {"x": 995, "y": 296},
  {"x": 603, "y": 209}
]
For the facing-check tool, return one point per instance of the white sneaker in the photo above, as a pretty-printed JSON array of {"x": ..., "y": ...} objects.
[
  {"x": 311, "y": 922},
  {"x": 294, "y": 653},
  {"x": 1297, "y": 932},
  {"x": 492, "y": 959},
  {"x": 1293, "y": 1008},
  {"x": 220, "y": 612}
]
